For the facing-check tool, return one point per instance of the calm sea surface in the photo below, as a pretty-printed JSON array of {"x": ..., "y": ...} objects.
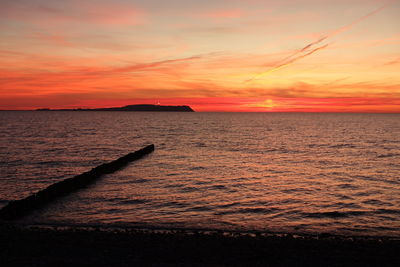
[{"x": 299, "y": 173}]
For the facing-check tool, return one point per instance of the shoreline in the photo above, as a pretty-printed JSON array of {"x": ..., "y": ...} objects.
[
  {"x": 188, "y": 230},
  {"x": 38, "y": 246}
]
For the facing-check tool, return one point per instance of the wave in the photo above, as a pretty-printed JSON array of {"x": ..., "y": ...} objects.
[
  {"x": 296, "y": 190},
  {"x": 188, "y": 189},
  {"x": 171, "y": 204},
  {"x": 199, "y": 208},
  {"x": 343, "y": 146},
  {"x": 133, "y": 201},
  {"x": 348, "y": 186},
  {"x": 390, "y": 155},
  {"x": 218, "y": 187},
  {"x": 16, "y": 162},
  {"x": 197, "y": 168},
  {"x": 138, "y": 181},
  {"x": 200, "y": 144},
  {"x": 342, "y": 205},
  {"x": 353, "y": 213},
  {"x": 223, "y": 206},
  {"x": 374, "y": 202},
  {"x": 249, "y": 210},
  {"x": 335, "y": 214},
  {"x": 388, "y": 211}
]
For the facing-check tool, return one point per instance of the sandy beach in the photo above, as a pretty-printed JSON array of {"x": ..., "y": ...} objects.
[{"x": 34, "y": 246}]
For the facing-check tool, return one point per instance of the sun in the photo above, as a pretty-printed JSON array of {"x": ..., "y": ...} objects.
[{"x": 269, "y": 103}]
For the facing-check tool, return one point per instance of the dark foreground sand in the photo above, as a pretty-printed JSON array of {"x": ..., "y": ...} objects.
[{"x": 78, "y": 247}]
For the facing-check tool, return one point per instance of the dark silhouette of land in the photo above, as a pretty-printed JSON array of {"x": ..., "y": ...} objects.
[
  {"x": 141, "y": 107},
  {"x": 96, "y": 247}
]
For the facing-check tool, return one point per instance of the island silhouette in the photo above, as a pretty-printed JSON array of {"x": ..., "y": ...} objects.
[{"x": 140, "y": 107}]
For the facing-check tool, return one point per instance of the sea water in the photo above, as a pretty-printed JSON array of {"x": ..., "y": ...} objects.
[{"x": 275, "y": 172}]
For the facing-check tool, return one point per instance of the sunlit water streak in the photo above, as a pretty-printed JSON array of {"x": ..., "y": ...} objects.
[{"x": 302, "y": 173}]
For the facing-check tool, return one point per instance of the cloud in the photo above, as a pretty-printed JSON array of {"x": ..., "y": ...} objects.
[
  {"x": 65, "y": 12},
  {"x": 36, "y": 81},
  {"x": 290, "y": 60},
  {"x": 224, "y": 14},
  {"x": 56, "y": 39},
  {"x": 212, "y": 29},
  {"x": 309, "y": 49},
  {"x": 392, "y": 62}
]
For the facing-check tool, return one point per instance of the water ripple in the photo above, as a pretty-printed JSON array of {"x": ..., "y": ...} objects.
[{"x": 335, "y": 173}]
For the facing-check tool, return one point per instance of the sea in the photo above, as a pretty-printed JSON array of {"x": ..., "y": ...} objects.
[{"x": 301, "y": 173}]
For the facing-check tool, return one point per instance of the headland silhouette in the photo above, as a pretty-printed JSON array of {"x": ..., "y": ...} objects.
[{"x": 140, "y": 107}]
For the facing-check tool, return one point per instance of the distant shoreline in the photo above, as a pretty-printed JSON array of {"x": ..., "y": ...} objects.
[{"x": 141, "y": 107}]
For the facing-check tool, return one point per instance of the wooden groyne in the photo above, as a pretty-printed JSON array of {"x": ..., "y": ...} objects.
[{"x": 19, "y": 208}]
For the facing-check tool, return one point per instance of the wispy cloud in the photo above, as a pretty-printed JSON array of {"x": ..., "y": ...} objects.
[
  {"x": 290, "y": 60},
  {"x": 392, "y": 62},
  {"x": 309, "y": 49},
  {"x": 90, "y": 11},
  {"x": 224, "y": 13},
  {"x": 11, "y": 79}
]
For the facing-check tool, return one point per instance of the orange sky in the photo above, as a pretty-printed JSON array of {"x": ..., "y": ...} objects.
[{"x": 219, "y": 55}]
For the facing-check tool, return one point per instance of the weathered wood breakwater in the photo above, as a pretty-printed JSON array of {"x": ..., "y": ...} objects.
[{"x": 19, "y": 208}]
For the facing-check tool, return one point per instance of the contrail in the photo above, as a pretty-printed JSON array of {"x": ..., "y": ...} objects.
[
  {"x": 297, "y": 55},
  {"x": 302, "y": 50},
  {"x": 282, "y": 65},
  {"x": 352, "y": 24}
]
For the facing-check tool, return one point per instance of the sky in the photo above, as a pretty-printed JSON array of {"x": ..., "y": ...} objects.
[{"x": 214, "y": 55}]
